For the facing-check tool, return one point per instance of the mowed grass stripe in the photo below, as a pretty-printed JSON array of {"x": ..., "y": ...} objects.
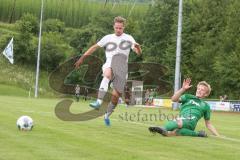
[{"x": 55, "y": 139}]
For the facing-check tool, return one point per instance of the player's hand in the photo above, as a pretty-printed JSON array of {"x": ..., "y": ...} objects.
[
  {"x": 186, "y": 84},
  {"x": 221, "y": 136},
  {"x": 138, "y": 49},
  {"x": 78, "y": 63}
]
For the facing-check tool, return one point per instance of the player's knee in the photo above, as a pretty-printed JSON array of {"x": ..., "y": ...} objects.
[
  {"x": 179, "y": 123},
  {"x": 115, "y": 97},
  {"x": 108, "y": 73},
  {"x": 108, "y": 77},
  {"x": 114, "y": 100}
]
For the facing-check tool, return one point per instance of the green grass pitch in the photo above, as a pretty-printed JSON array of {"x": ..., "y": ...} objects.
[{"x": 126, "y": 139}]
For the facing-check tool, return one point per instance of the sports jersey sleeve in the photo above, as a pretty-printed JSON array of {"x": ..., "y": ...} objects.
[
  {"x": 183, "y": 98},
  {"x": 207, "y": 113},
  {"x": 103, "y": 41},
  {"x": 132, "y": 40}
]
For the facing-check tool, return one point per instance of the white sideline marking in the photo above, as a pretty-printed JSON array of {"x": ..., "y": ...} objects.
[{"x": 226, "y": 138}]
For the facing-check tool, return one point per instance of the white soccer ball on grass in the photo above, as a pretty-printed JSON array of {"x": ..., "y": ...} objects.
[{"x": 25, "y": 123}]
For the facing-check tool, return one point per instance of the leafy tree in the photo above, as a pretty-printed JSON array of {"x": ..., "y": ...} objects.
[
  {"x": 159, "y": 35},
  {"x": 227, "y": 62},
  {"x": 54, "y": 50},
  {"x": 25, "y": 46},
  {"x": 157, "y": 28},
  {"x": 28, "y": 23},
  {"x": 80, "y": 41},
  {"x": 54, "y": 25}
]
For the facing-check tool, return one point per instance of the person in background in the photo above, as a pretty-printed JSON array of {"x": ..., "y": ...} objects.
[
  {"x": 85, "y": 93},
  {"x": 77, "y": 92}
]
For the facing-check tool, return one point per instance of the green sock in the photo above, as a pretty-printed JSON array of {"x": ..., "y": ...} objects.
[
  {"x": 186, "y": 132},
  {"x": 171, "y": 125}
]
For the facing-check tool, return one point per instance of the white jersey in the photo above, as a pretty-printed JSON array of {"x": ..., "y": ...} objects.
[{"x": 114, "y": 44}]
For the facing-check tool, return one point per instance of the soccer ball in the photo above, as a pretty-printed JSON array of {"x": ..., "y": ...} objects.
[{"x": 25, "y": 123}]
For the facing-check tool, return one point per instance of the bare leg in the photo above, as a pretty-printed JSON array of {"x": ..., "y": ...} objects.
[{"x": 107, "y": 76}]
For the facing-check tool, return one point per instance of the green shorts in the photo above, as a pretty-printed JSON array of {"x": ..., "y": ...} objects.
[{"x": 189, "y": 124}]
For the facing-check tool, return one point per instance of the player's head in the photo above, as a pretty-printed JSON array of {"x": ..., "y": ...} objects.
[
  {"x": 119, "y": 25},
  {"x": 203, "y": 89}
]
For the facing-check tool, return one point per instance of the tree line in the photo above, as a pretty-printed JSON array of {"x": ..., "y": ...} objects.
[{"x": 210, "y": 40}]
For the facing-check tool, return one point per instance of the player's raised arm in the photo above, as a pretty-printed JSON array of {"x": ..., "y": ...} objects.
[
  {"x": 186, "y": 85},
  {"x": 87, "y": 53}
]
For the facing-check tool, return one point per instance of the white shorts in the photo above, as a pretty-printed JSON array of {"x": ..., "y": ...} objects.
[{"x": 107, "y": 64}]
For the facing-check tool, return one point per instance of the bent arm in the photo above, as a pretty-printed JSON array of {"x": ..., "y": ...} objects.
[
  {"x": 177, "y": 95},
  {"x": 185, "y": 86},
  {"x": 211, "y": 128},
  {"x": 91, "y": 50},
  {"x": 87, "y": 53}
]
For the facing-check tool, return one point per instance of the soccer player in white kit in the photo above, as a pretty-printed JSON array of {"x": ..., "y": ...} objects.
[{"x": 114, "y": 44}]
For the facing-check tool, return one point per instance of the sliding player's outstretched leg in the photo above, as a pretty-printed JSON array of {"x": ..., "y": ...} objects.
[
  {"x": 167, "y": 130},
  {"x": 189, "y": 132},
  {"x": 159, "y": 130}
]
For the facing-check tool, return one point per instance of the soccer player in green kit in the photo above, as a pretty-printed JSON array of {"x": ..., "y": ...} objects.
[{"x": 192, "y": 109}]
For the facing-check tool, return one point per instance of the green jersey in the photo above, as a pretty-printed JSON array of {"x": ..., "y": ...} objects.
[{"x": 193, "y": 108}]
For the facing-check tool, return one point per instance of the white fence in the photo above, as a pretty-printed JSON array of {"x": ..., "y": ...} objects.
[{"x": 214, "y": 105}]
